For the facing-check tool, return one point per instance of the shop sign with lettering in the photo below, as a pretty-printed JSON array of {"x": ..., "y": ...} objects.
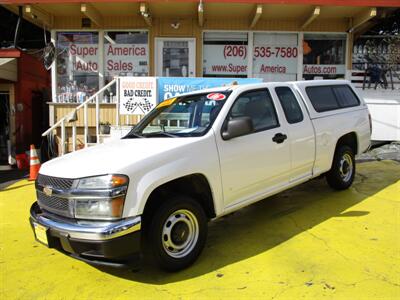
[
  {"x": 84, "y": 58},
  {"x": 324, "y": 69},
  {"x": 225, "y": 60},
  {"x": 276, "y": 56},
  {"x": 138, "y": 95},
  {"x": 275, "y": 59},
  {"x": 126, "y": 58},
  {"x": 169, "y": 87}
]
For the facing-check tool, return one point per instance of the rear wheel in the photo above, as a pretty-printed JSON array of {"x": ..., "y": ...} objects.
[
  {"x": 341, "y": 175},
  {"x": 178, "y": 233}
]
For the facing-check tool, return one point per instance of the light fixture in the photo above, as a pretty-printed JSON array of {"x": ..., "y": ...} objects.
[
  {"x": 145, "y": 14},
  {"x": 175, "y": 25}
]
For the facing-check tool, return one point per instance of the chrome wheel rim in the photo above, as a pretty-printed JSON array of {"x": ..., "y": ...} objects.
[
  {"x": 346, "y": 167},
  {"x": 180, "y": 233}
]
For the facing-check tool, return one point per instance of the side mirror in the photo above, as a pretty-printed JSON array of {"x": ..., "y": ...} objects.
[{"x": 238, "y": 127}]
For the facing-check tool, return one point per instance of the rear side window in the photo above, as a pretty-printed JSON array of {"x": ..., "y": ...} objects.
[
  {"x": 325, "y": 98},
  {"x": 345, "y": 96},
  {"x": 322, "y": 98},
  {"x": 289, "y": 103}
]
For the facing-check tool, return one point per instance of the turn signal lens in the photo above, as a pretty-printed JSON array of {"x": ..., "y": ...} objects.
[
  {"x": 118, "y": 180},
  {"x": 117, "y": 206}
]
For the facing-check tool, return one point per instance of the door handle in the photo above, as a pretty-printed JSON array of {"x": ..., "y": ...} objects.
[{"x": 279, "y": 138}]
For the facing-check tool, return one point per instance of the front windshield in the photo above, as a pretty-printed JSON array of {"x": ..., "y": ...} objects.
[{"x": 181, "y": 116}]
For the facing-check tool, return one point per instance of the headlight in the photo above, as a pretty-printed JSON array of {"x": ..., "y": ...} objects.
[
  {"x": 102, "y": 182},
  {"x": 100, "y": 197},
  {"x": 104, "y": 209}
]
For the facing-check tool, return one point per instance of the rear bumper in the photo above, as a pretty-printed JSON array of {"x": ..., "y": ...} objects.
[{"x": 100, "y": 243}]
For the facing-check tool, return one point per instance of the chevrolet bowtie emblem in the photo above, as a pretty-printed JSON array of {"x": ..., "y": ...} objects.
[{"x": 47, "y": 191}]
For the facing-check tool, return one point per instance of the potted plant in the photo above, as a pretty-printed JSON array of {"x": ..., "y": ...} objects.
[{"x": 105, "y": 127}]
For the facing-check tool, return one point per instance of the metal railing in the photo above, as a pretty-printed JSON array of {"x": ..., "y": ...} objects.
[{"x": 72, "y": 118}]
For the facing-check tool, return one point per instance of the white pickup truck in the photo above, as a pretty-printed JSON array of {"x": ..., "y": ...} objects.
[{"x": 195, "y": 158}]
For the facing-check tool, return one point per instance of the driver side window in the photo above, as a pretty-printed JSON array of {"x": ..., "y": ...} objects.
[{"x": 257, "y": 105}]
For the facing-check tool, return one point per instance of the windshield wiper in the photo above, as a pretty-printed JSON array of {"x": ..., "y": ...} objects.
[
  {"x": 133, "y": 134},
  {"x": 162, "y": 133}
]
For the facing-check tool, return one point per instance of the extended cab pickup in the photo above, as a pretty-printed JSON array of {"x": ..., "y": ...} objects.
[{"x": 194, "y": 158}]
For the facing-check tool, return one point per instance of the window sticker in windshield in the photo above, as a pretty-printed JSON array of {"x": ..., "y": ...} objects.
[
  {"x": 216, "y": 96},
  {"x": 167, "y": 102}
]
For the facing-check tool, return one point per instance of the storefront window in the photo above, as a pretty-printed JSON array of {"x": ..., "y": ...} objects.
[
  {"x": 77, "y": 65},
  {"x": 225, "y": 54},
  {"x": 126, "y": 53},
  {"x": 79, "y": 60},
  {"x": 324, "y": 56},
  {"x": 275, "y": 56}
]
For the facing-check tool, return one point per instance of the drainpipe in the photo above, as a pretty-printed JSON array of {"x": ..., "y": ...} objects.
[{"x": 18, "y": 27}]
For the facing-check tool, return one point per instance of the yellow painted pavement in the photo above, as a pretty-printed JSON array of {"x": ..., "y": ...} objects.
[{"x": 307, "y": 243}]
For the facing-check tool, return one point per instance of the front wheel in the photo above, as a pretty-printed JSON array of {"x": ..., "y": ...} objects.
[
  {"x": 341, "y": 175},
  {"x": 178, "y": 233}
]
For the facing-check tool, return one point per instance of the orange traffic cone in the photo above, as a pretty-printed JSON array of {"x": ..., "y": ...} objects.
[{"x": 34, "y": 164}]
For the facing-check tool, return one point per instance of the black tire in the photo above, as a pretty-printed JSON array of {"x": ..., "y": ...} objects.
[
  {"x": 341, "y": 175},
  {"x": 189, "y": 231}
]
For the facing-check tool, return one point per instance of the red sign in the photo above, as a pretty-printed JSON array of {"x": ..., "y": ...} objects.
[{"x": 216, "y": 96}]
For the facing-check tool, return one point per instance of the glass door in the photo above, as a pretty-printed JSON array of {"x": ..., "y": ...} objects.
[{"x": 175, "y": 57}]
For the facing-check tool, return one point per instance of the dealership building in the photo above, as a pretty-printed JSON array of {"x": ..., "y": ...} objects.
[{"x": 269, "y": 39}]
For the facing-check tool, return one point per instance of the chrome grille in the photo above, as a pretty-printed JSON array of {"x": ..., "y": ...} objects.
[
  {"x": 55, "y": 182},
  {"x": 54, "y": 204}
]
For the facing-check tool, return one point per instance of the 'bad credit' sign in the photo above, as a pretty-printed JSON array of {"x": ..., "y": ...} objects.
[{"x": 137, "y": 95}]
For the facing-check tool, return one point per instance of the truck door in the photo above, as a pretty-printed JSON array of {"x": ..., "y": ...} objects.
[
  {"x": 300, "y": 133},
  {"x": 258, "y": 163}
]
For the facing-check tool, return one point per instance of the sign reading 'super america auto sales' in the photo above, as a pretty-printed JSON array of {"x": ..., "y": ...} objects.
[
  {"x": 128, "y": 58},
  {"x": 84, "y": 58}
]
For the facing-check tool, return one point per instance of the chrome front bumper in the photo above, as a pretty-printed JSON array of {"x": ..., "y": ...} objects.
[
  {"x": 108, "y": 243},
  {"x": 88, "y": 230}
]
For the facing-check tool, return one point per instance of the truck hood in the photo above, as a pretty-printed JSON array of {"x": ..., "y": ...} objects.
[{"x": 112, "y": 157}]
